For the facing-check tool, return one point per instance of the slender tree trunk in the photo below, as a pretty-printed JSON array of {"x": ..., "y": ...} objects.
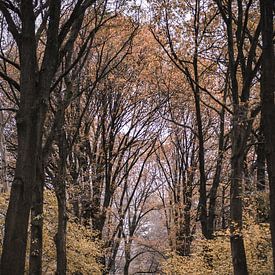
[
  {"x": 260, "y": 151},
  {"x": 3, "y": 173},
  {"x": 216, "y": 180},
  {"x": 268, "y": 105},
  {"x": 196, "y": 90},
  {"x": 223, "y": 215},
  {"x": 98, "y": 219},
  {"x": 114, "y": 243},
  {"x": 60, "y": 191},
  {"x": 203, "y": 195},
  {"x": 237, "y": 158},
  {"x": 184, "y": 235},
  {"x": 60, "y": 237},
  {"x": 127, "y": 257},
  {"x": 187, "y": 218},
  {"x": 36, "y": 240},
  {"x": 97, "y": 186},
  {"x": 261, "y": 170},
  {"x": 86, "y": 196}
]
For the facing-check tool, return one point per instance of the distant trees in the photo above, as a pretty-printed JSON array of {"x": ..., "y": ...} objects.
[
  {"x": 197, "y": 64},
  {"x": 176, "y": 161}
]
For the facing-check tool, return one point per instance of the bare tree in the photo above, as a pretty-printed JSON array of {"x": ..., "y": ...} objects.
[{"x": 203, "y": 49}]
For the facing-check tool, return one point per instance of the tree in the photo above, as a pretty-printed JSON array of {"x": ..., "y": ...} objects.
[
  {"x": 195, "y": 55},
  {"x": 146, "y": 139},
  {"x": 176, "y": 161},
  {"x": 268, "y": 105},
  {"x": 38, "y": 76},
  {"x": 241, "y": 122}
]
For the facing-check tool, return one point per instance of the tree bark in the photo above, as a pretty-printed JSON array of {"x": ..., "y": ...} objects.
[
  {"x": 60, "y": 191},
  {"x": 29, "y": 131},
  {"x": 127, "y": 248},
  {"x": 34, "y": 93},
  {"x": 268, "y": 105},
  {"x": 237, "y": 158},
  {"x": 60, "y": 237},
  {"x": 36, "y": 240},
  {"x": 196, "y": 90},
  {"x": 216, "y": 180},
  {"x": 3, "y": 171},
  {"x": 260, "y": 151}
]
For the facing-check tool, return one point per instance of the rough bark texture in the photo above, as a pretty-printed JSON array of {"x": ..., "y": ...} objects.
[
  {"x": 28, "y": 129},
  {"x": 268, "y": 104}
]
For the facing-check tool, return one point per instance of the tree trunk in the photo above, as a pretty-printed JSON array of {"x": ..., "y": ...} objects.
[
  {"x": 60, "y": 237},
  {"x": 17, "y": 219},
  {"x": 187, "y": 221},
  {"x": 29, "y": 132},
  {"x": 223, "y": 211},
  {"x": 3, "y": 173},
  {"x": 127, "y": 257},
  {"x": 36, "y": 242},
  {"x": 34, "y": 94},
  {"x": 260, "y": 151},
  {"x": 202, "y": 190},
  {"x": 216, "y": 180},
  {"x": 60, "y": 191},
  {"x": 268, "y": 105},
  {"x": 237, "y": 158},
  {"x": 203, "y": 179},
  {"x": 262, "y": 215}
]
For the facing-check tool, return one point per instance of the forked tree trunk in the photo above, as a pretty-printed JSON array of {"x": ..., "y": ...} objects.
[
  {"x": 34, "y": 93},
  {"x": 29, "y": 132}
]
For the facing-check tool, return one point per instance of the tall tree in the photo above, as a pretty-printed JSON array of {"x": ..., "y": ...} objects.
[
  {"x": 196, "y": 65},
  {"x": 28, "y": 22},
  {"x": 268, "y": 103},
  {"x": 242, "y": 65}
]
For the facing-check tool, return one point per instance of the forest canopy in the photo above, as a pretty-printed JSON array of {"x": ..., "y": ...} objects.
[{"x": 137, "y": 137}]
